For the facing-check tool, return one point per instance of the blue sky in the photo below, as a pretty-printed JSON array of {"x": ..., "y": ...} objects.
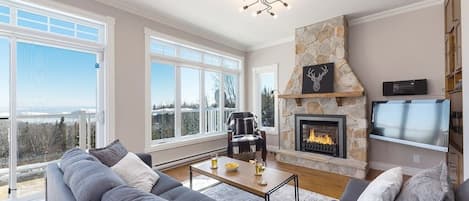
[
  {"x": 163, "y": 85},
  {"x": 49, "y": 78}
]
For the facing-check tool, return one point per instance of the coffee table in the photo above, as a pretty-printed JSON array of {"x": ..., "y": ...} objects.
[{"x": 244, "y": 178}]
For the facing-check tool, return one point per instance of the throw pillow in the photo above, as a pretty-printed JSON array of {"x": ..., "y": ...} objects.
[
  {"x": 89, "y": 180},
  {"x": 244, "y": 126},
  {"x": 127, "y": 193},
  {"x": 385, "y": 187},
  {"x": 135, "y": 172},
  {"x": 430, "y": 185},
  {"x": 110, "y": 154}
]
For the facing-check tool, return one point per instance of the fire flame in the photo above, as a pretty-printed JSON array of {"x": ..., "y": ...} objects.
[{"x": 325, "y": 139}]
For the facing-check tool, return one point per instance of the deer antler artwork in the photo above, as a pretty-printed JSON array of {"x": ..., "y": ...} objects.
[{"x": 316, "y": 79}]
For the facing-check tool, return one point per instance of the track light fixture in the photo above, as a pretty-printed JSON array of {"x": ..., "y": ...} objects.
[{"x": 267, "y": 7}]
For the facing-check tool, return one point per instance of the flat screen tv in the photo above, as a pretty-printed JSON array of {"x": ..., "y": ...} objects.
[{"x": 421, "y": 123}]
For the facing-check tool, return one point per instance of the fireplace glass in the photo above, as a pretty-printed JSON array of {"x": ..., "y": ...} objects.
[{"x": 323, "y": 135}]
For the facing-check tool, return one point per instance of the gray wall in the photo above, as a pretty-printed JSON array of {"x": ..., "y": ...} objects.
[
  {"x": 405, "y": 46},
  {"x": 130, "y": 77}
]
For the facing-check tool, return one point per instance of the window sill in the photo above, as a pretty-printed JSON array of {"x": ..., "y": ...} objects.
[{"x": 176, "y": 143}]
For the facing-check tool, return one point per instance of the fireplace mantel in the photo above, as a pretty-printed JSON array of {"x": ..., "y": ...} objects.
[{"x": 338, "y": 95}]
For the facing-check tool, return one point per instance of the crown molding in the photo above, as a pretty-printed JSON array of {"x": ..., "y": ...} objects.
[
  {"x": 270, "y": 44},
  {"x": 174, "y": 23},
  {"x": 395, "y": 11}
]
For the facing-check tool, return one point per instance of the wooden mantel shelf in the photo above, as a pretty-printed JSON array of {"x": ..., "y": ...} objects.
[{"x": 337, "y": 95}]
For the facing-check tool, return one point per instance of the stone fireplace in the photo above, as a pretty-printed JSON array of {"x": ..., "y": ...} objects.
[
  {"x": 323, "y": 134},
  {"x": 334, "y": 145}
]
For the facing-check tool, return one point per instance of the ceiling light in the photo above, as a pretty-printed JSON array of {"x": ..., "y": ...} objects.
[{"x": 266, "y": 6}]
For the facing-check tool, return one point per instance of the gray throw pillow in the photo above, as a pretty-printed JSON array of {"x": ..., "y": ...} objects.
[
  {"x": 429, "y": 185},
  {"x": 89, "y": 180},
  {"x": 110, "y": 154},
  {"x": 74, "y": 155},
  {"x": 127, "y": 193}
]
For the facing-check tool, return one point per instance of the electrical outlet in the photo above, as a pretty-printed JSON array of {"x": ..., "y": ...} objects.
[{"x": 416, "y": 158}]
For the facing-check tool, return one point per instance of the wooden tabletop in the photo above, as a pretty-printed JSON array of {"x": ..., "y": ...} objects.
[{"x": 244, "y": 178}]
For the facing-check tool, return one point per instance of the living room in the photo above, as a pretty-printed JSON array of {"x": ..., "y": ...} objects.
[{"x": 312, "y": 95}]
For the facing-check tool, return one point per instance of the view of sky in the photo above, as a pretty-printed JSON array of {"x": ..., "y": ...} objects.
[
  {"x": 49, "y": 79},
  {"x": 163, "y": 85},
  {"x": 267, "y": 81}
]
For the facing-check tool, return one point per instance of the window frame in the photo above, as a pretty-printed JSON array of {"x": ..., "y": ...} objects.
[
  {"x": 256, "y": 98},
  {"x": 178, "y": 63}
]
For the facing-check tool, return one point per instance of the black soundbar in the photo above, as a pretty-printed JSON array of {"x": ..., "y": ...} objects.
[{"x": 406, "y": 87}]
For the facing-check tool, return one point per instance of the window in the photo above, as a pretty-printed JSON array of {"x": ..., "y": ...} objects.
[
  {"x": 33, "y": 18},
  {"x": 163, "y": 98},
  {"x": 192, "y": 90},
  {"x": 265, "y": 103},
  {"x": 44, "y": 53}
]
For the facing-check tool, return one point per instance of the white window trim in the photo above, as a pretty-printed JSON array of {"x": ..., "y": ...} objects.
[
  {"x": 255, "y": 96},
  {"x": 108, "y": 44},
  {"x": 171, "y": 143}
]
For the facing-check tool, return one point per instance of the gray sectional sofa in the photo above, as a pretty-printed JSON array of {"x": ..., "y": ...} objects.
[
  {"x": 355, "y": 187},
  {"x": 58, "y": 185}
]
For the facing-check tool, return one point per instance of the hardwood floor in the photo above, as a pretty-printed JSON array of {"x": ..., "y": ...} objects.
[{"x": 313, "y": 180}]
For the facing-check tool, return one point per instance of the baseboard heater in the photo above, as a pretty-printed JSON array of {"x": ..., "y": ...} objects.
[{"x": 185, "y": 160}]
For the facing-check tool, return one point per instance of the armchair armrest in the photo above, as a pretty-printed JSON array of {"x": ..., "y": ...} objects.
[{"x": 145, "y": 158}]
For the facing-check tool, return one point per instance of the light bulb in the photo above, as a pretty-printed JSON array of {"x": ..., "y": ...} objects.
[
  {"x": 254, "y": 14},
  {"x": 243, "y": 8}
]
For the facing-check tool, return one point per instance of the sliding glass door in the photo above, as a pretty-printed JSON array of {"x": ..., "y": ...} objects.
[
  {"x": 49, "y": 98},
  {"x": 55, "y": 106}
]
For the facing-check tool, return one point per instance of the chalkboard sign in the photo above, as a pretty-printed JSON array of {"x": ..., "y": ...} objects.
[{"x": 318, "y": 78}]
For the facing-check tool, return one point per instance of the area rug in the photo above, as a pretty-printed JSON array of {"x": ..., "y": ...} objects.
[{"x": 224, "y": 192}]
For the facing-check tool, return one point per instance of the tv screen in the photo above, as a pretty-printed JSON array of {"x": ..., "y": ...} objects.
[{"x": 421, "y": 123}]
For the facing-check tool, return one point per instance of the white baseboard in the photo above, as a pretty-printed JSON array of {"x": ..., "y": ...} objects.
[
  {"x": 186, "y": 160},
  {"x": 411, "y": 171}
]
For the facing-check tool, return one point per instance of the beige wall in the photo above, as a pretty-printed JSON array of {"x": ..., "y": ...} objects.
[
  {"x": 405, "y": 46},
  {"x": 130, "y": 77},
  {"x": 284, "y": 56}
]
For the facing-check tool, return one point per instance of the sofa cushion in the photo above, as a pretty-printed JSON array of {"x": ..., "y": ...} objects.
[
  {"x": 89, "y": 180},
  {"x": 127, "y": 193},
  {"x": 385, "y": 187},
  {"x": 463, "y": 191},
  {"x": 72, "y": 156},
  {"x": 354, "y": 189},
  {"x": 135, "y": 172},
  {"x": 429, "y": 185},
  {"x": 110, "y": 154},
  {"x": 182, "y": 193},
  {"x": 165, "y": 183}
]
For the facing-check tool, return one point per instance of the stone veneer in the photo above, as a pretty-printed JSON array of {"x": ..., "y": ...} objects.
[{"x": 319, "y": 43}]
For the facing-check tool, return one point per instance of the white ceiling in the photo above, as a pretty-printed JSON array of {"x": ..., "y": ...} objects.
[{"x": 220, "y": 20}]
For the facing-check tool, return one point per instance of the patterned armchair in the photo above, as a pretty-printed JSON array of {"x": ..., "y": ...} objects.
[{"x": 244, "y": 136}]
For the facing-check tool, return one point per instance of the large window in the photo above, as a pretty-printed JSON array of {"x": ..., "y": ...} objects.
[
  {"x": 54, "y": 86},
  {"x": 193, "y": 90},
  {"x": 264, "y": 93}
]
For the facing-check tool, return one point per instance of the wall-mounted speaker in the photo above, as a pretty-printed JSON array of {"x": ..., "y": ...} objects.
[{"x": 406, "y": 87}]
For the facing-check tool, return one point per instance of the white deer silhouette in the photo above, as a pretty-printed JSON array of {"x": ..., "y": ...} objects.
[{"x": 317, "y": 79}]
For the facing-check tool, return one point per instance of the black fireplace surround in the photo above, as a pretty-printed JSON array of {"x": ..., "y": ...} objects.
[{"x": 323, "y": 134}]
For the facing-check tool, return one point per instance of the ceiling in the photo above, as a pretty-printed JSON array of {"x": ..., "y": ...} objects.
[{"x": 220, "y": 20}]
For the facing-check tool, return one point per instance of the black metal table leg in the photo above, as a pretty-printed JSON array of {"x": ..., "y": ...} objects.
[
  {"x": 297, "y": 193},
  {"x": 267, "y": 197},
  {"x": 190, "y": 177}
]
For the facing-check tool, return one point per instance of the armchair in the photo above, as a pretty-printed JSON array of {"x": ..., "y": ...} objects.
[{"x": 244, "y": 136}]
